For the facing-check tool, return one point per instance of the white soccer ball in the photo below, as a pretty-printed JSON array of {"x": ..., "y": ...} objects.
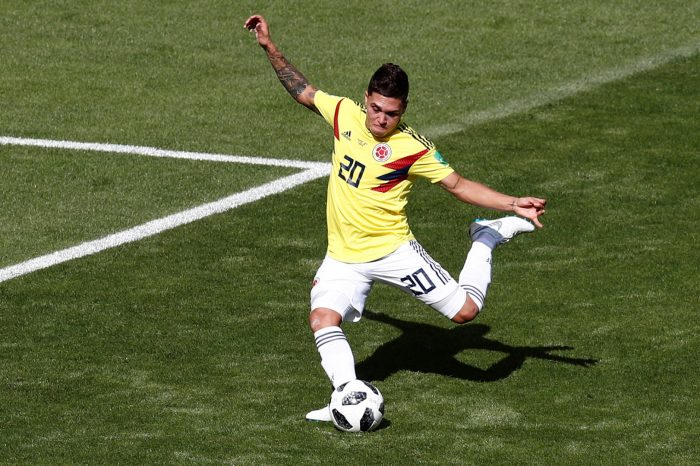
[{"x": 357, "y": 406}]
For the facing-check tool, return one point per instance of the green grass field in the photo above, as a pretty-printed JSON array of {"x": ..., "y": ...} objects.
[{"x": 192, "y": 347}]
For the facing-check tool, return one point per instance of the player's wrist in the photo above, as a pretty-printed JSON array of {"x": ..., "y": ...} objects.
[{"x": 513, "y": 204}]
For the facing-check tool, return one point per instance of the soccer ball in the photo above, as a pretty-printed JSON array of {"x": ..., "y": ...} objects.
[{"x": 357, "y": 406}]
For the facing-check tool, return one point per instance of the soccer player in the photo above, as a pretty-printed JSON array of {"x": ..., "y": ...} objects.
[{"x": 376, "y": 158}]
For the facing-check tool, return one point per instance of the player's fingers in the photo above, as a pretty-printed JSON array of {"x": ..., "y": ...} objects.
[
  {"x": 537, "y": 202},
  {"x": 252, "y": 22}
]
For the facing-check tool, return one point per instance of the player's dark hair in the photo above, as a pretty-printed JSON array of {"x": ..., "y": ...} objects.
[{"x": 390, "y": 81}]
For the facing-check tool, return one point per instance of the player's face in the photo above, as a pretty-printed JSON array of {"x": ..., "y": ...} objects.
[{"x": 383, "y": 114}]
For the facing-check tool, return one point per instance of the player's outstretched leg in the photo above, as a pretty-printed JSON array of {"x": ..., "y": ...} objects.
[
  {"x": 499, "y": 231},
  {"x": 486, "y": 236}
]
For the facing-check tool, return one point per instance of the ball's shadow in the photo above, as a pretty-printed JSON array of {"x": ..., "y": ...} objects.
[{"x": 385, "y": 424}]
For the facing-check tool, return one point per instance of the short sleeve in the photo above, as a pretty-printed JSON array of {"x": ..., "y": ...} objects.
[
  {"x": 432, "y": 166},
  {"x": 326, "y": 105}
]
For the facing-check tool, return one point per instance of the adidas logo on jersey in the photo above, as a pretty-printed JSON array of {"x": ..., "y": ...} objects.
[{"x": 347, "y": 135}]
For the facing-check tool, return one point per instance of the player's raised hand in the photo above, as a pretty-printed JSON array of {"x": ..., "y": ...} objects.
[
  {"x": 257, "y": 24},
  {"x": 530, "y": 208}
]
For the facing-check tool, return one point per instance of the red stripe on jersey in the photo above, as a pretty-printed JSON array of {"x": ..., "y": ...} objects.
[
  {"x": 405, "y": 161},
  {"x": 382, "y": 188},
  {"x": 336, "y": 130},
  {"x": 400, "y": 173}
]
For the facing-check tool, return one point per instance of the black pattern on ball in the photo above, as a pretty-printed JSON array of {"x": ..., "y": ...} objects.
[
  {"x": 354, "y": 398},
  {"x": 340, "y": 420},
  {"x": 367, "y": 420}
]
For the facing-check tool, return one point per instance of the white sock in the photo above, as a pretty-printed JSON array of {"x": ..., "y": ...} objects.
[
  {"x": 475, "y": 277},
  {"x": 336, "y": 356}
]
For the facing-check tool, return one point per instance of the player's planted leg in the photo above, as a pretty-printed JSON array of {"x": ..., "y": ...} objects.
[
  {"x": 320, "y": 415},
  {"x": 336, "y": 355}
]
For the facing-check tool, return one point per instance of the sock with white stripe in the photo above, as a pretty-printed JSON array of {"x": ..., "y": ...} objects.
[
  {"x": 336, "y": 356},
  {"x": 475, "y": 277}
]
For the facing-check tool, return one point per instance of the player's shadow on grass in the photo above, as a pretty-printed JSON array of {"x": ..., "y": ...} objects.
[{"x": 429, "y": 349}]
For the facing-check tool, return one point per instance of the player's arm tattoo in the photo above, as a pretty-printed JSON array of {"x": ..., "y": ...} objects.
[
  {"x": 291, "y": 78},
  {"x": 293, "y": 81}
]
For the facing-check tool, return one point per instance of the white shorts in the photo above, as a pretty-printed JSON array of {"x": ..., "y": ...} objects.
[{"x": 344, "y": 287}]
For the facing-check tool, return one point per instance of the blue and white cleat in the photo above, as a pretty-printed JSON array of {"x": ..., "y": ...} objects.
[
  {"x": 499, "y": 231},
  {"x": 320, "y": 415}
]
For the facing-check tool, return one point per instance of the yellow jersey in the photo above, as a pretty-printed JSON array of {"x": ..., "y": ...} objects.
[{"x": 370, "y": 181}]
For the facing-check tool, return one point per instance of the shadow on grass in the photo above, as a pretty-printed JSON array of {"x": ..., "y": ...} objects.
[{"x": 429, "y": 349}]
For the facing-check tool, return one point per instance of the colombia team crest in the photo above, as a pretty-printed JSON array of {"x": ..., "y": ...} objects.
[{"x": 381, "y": 152}]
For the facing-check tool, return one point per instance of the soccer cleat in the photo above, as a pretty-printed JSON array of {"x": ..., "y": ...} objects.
[
  {"x": 320, "y": 415},
  {"x": 499, "y": 231}
]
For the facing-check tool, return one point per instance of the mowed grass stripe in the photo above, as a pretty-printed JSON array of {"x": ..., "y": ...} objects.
[{"x": 563, "y": 91}]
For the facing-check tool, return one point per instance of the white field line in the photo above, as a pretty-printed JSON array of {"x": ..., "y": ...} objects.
[
  {"x": 563, "y": 91},
  {"x": 155, "y": 152},
  {"x": 312, "y": 171}
]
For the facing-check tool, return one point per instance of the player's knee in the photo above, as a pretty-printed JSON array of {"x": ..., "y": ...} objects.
[
  {"x": 323, "y": 317},
  {"x": 468, "y": 313}
]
